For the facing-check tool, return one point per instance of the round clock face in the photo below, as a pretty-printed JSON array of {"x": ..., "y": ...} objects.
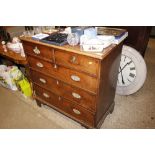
[
  {"x": 132, "y": 71},
  {"x": 127, "y": 71}
]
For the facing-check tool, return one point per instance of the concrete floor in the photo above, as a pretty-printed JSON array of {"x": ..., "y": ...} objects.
[{"x": 134, "y": 111}]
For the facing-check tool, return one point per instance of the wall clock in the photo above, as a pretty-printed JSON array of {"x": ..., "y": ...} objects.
[{"x": 132, "y": 71}]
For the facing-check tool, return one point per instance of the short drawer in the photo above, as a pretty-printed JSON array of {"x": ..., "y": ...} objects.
[
  {"x": 38, "y": 50},
  {"x": 69, "y": 108},
  {"x": 75, "y": 94},
  {"x": 76, "y": 61},
  {"x": 64, "y": 74}
]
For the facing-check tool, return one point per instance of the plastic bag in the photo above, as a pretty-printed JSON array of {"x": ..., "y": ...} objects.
[
  {"x": 5, "y": 78},
  {"x": 11, "y": 77},
  {"x": 21, "y": 81},
  {"x": 25, "y": 87}
]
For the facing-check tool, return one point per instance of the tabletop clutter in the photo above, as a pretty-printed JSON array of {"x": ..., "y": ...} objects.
[
  {"x": 90, "y": 39},
  {"x": 15, "y": 46}
]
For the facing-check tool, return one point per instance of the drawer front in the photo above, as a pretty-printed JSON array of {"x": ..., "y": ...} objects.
[
  {"x": 67, "y": 75},
  {"x": 75, "y": 94},
  {"x": 47, "y": 95},
  {"x": 65, "y": 106},
  {"x": 78, "y": 112},
  {"x": 79, "y": 62},
  {"x": 39, "y": 50}
]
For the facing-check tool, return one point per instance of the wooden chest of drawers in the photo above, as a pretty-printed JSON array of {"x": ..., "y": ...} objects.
[{"x": 78, "y": 84}]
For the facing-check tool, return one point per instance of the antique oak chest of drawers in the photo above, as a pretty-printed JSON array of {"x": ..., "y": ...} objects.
[{"x": 78, "y": 84}]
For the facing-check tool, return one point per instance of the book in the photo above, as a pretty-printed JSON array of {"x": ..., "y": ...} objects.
[
  {"x": 110, "y": 31},
  {"x": 119, "y": 34},
  {"x": 121, "y": 38},
  {"x": 39, "y": 36}
]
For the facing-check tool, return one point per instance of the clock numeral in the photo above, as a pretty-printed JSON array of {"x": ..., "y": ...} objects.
[
  {"x": 132, "y": 75},
  {"x": 124, "y": 58},
  {"x": 132, "y": 68}
]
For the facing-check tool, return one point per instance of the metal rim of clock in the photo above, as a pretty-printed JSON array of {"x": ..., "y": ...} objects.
[{"x": 141, "y": 72}]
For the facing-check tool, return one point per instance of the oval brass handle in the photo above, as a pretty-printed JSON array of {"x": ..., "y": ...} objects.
[
  {"x": 42, "y": 80},
  {"x": 75, "y": 78},
  {"x": 75, "y": 95},
  {"x": 46, "y": 95},
  {"x": 40, "y": 64},
  {"x": 36, "y": 50},
  {"x": 76, "y": 111}
]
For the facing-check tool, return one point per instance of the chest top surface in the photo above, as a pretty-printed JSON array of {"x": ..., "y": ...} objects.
[{"x": 74, "y": 49}]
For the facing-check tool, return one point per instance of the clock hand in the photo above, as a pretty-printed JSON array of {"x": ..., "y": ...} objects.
[
  {"x": 125, "y": 66},
  {"x": 122, "y": 76}
]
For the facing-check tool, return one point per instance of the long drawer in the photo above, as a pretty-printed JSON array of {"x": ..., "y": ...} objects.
[
  {"x": 65, "y": 74},
  {"x": 39, "y": 50},
  {"x": 75, "y": 94},
  {"x": 70, "y": 108},
  {"x": 76, "y": 61}
]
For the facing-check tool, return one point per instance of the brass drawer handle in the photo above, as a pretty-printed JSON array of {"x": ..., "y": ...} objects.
[
  {"x": 36, "y": 50},
  {"x": 75, "y": 78},
  {"x": 76, "y": 111},
  {"x": 55, "y": 66},
  {"x": 46, "y": 95},
  {"x": 73, "y": 60},
  {"x": 42, "y": 80},
  {"x": 75, "y": 95},
  {"x": 40, "y": 64}
]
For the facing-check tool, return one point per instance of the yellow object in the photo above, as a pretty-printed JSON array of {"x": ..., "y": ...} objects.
[{"x": 25, "y": 87}]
